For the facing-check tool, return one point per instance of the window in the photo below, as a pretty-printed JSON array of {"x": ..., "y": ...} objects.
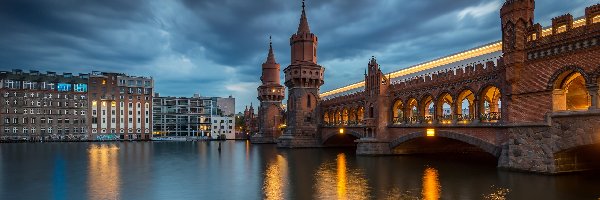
[
  {"x": 63, "y": 87},
  {"x": 308, "y": 101},
  {"x": 561, "y": 29}
]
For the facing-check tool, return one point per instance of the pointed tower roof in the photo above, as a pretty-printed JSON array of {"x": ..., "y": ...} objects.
[
  {"x": 271, "y": 56},
  {"x": 303, "y": 26}
]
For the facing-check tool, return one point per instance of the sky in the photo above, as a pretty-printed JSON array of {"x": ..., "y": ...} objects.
[{"x": 216, "y": 47}]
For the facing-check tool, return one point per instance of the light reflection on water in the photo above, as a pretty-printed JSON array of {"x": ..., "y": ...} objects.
[
  {"x": 198, "y": 170},
  {"x": 431, "y": 184},
  {"x": 338, "y": 181},
  {"x": 104, "y": 181},
  {"x": 276, "y": 179}
]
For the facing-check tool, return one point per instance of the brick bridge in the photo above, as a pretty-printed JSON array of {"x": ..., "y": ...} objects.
[{"x": 534, "y": 107}]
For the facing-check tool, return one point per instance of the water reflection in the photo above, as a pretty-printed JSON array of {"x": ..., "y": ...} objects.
[
  {"x": 337, "y": 181},
  {"x": 276, "y": 179},
  {"x": 103, "y": 172},
  {"x": 431, "y": 184}
]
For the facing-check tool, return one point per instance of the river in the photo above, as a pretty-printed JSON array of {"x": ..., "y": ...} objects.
[{"x": 199, "y": 170}]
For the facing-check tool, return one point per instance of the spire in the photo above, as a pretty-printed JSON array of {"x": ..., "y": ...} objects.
[
  {"x": 271, "y": 56},
  {"x": 303, "y": 27}
]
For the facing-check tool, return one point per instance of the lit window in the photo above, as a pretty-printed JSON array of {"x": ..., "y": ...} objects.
[
  {"x": 113, "y": 104},
  {"x": 596, "y": 19},
  {"x": 561, "y": 29},
  {"x": 103, "y": 82},
  {"x": 430, "y": 132},
  {"x": 94, "y": 103}
]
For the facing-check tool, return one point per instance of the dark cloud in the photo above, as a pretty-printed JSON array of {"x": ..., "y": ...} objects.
[{"x": 216, "y": 47}]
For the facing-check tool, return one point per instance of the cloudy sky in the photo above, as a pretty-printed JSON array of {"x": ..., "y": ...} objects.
[{"x": 216, "y": 47}]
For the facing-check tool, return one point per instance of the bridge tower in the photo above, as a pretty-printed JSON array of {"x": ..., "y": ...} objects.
[
  {"x": 377, "y": 113},
  {"x": 517, "y": 16},
  {"x": 270, "y": 95},
  {"x": 303, "y": 77}
]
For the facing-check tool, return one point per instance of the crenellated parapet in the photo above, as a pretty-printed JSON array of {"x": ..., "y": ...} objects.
[
  {"x": 565, "y": 35},
  {"x": 455, "y": 76},
  {"x": 344, "y": 99}
]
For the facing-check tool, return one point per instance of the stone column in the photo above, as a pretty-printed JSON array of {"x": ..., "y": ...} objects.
[
  {"x": 476, "y": 111},
  {"x": 559, "y": 100},
  {"x": 593, "y": 90},
  {"x": 454, "y": 110}
]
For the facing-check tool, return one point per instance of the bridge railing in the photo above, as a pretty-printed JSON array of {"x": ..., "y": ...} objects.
[
  {"x": 448, "y": 119},
  {"x": 492, "y": 117}
]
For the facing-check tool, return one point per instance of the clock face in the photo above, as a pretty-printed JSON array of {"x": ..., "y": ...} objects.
[{"x": 509, "y": 37}]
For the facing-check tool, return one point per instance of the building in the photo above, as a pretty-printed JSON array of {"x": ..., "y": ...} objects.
[
  {"x": 270, "y": 95},
  {"x": 120, "y": 106},
  {"x": 303, "y": 78},
  {"x": 183, "y": 116},
  {"x": 226, "y": 106},
  {"x": 36, "y": 106},
  {"x": 250, "y": 121},
  {"x": 223, "y": 127}
]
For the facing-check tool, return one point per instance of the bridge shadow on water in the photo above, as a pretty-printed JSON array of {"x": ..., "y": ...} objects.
[{"x": 341, "y": 140}]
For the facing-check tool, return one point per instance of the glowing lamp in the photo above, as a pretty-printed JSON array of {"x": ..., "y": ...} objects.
[
  {"x": 430, "y": 132},
  {"x": 341, "y": 131}
]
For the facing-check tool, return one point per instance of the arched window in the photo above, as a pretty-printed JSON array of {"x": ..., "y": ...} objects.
[
  {"x": 444, "y": 111},
  {"x": 398, "y": 112},
  {"x": 570, "y": 92},
  {"x": 465, "y": 112},
  {"x": 308, "y": 101},
  {"x": 491, "y": 104},
  {"x": 413, "y": 111}
]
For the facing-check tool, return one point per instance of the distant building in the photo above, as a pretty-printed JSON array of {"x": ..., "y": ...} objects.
[
  {"x": 226, "y": 106},
  {"x": 223, "y": 126},
  {"x": 36, "y": 106},
  {"x": 250, "y": 121},
  {"x": 183, "y": 116},
  {"x": 120, "y": 106},
  {"x": 193, "y": 116}
]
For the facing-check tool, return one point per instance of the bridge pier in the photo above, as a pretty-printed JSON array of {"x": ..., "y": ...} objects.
[
  {"x": 371, "y": 146},
  {"x": 297, "y": 141},
  {"x": 262, "y": 139}
]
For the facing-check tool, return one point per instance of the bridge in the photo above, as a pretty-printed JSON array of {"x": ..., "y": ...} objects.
[{"x": 530, "y": 101}]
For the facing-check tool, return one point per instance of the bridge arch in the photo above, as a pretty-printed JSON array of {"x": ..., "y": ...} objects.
[
  {"x": 335, "y": 138},
  {"x": 482, "y": 144}
]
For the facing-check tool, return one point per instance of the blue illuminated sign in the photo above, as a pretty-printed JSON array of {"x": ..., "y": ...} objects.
[
  {"x": 63, "y": 87},
  {"x": 81, "y": 87}
]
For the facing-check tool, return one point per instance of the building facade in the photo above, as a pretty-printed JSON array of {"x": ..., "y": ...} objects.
[
  {"x": 270, "y": 95},
  {"x": 184, "y": 116},
  {"x": 223, "y": 127},
  {"x": 120, "y": 106},
  {"x": 43, "y": 107}
]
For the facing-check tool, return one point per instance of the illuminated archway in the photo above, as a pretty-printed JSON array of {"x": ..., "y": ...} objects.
[
  {"x": 445, "y": 109},
  {"x": 570, "y": 92},
  {"x": 398, "y": 112},
  {"x": 326, "y": 117},
  {"x": 428, "y": 109},
  {"x": 491, "y": 104},
  {"x": 465, "y": 111},
  {"x": 413, "y": 111},
  {"x": 345, "y": 116},
  {"x": 360, "y": 114}
]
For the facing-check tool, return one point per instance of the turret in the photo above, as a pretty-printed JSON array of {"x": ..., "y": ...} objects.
[
  {"x": 303, "y": 42},
  {"x": 517, "y": 17}
]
